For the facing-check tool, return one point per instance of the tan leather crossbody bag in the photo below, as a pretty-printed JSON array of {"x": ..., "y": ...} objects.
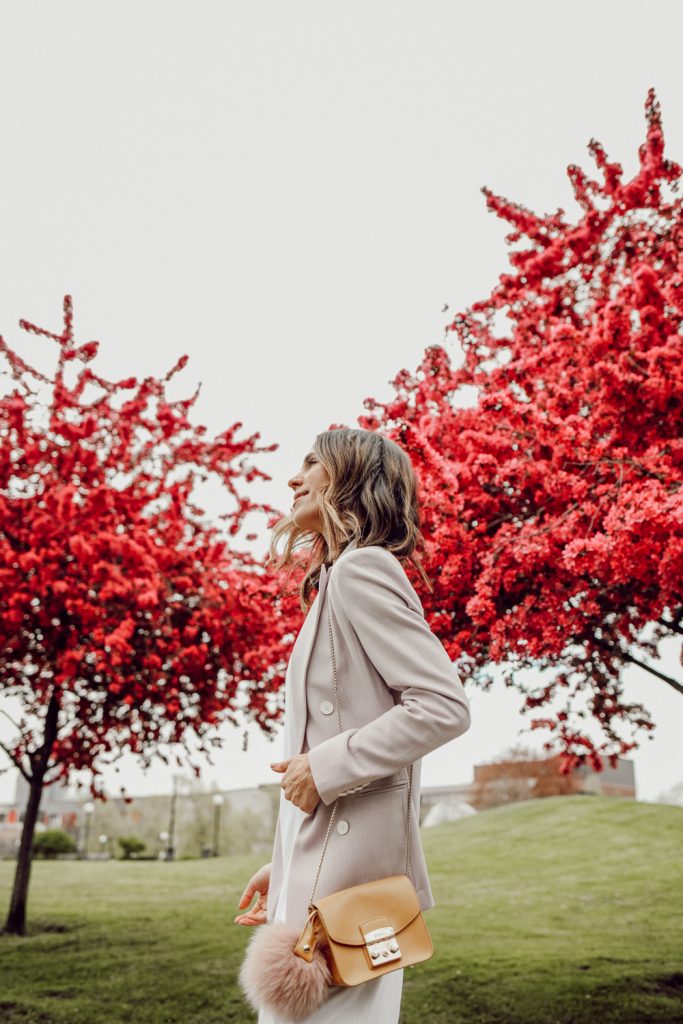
[{"x": 369, "y": 929}]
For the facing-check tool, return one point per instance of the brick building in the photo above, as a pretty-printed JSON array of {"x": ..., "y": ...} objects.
[{"x": 520, "y": 778}]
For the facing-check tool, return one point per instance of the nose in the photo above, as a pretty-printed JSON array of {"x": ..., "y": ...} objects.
[{"x": 295, "y": 481}]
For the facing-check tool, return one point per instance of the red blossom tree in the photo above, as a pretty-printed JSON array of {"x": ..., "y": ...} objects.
[
  {"x": 551, "y": 459},
  {"x": 127, "y": 621}
]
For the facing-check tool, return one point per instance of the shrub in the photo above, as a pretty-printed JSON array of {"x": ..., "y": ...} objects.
[
  {"x": 52, "y": 842},
  {"x": 130, "y": 846}
]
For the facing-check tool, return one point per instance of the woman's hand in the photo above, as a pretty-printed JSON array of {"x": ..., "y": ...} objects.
[
  {"x": 256, "y": 886},
  {"x": 297, "y": 782}
]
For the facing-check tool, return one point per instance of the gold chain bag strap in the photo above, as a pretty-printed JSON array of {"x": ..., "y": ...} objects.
[{"x": 368, "y": 929}]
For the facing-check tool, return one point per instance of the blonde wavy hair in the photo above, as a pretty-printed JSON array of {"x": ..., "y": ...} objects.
[{"x": 372, "y": 497}]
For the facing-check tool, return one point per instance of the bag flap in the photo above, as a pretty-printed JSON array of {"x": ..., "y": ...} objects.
[{"x": 342, "y": 913}]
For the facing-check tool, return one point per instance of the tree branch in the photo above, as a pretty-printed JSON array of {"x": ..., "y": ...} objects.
[
  {"x": 655, "y": 672},
  {"x": 10, "y": 719},
  {"x": 16, "y": 762}
]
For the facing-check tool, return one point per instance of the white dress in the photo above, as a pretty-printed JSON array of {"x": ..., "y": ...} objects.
[{"x": 373, "y": 1002}]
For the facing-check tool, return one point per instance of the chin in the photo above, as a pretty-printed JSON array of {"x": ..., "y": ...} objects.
[{"x": 305, "y": 521}]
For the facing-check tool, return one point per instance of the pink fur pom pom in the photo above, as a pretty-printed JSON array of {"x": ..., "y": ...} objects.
[{"x": 273, "y": 976}]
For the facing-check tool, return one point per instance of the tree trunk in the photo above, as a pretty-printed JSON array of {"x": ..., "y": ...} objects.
[{"x": 16, "y": 918}]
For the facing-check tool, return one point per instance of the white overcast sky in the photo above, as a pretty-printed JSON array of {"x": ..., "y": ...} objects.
[{"x": 289, "y": 193}]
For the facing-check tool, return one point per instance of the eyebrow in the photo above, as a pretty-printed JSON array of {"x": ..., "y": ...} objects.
[{"x": 309, "y": 457}]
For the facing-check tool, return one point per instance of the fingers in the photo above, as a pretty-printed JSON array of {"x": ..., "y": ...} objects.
[
  {"x": 257, "y": 914},
  {"x": 253, "y": 889},
  {"x": 251, "y": 919},
  {"x": 247, "y": 895},
  {"x": 279, "y": 766}
]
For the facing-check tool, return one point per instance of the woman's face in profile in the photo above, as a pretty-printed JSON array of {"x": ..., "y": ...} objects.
[{"x": 306, "y": 483}]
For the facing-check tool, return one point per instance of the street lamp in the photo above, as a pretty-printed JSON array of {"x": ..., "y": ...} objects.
[
  {"x": 218, "y": 802},
  {"x": 88, "y": 809},
  {"x": 170, "y": 851},
  {"x": 103, "y": 843},
  {"x": 163, "y": 839}
]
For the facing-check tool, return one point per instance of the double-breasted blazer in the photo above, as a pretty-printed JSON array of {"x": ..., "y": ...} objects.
[{"x": 400, "y": 697}]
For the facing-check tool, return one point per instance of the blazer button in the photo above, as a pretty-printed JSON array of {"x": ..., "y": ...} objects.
[
  {"x": 327, "y": 707},
  {"x": 342, "y": 827}
]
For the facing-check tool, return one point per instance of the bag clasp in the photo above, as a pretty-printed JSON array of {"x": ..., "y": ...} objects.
[{"x": 382, "y": 945}]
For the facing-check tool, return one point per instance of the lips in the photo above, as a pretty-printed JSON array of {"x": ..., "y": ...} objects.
[{"x": 297, "y": 496}]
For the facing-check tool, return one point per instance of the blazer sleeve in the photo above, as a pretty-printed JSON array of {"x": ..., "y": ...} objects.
[{"x": 430, "y": 707}]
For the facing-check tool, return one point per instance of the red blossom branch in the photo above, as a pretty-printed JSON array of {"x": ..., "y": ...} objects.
[{"x": 553, "y": 507}]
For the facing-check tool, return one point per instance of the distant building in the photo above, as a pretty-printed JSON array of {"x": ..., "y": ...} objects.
[
  {"x": 617, "y": 781},
  {"x": 514, "y": 779},
  {"x": 247, "y": 817},
  {"x": 444, "y": 803},
  {"x": 59, "y": 808},
  {"x": 244, "y": 822}
]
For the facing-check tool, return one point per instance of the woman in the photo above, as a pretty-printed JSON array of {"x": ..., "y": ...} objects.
[{"x": 355, "y": 508}]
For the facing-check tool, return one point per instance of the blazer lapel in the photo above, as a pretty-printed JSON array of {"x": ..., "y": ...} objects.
[{"x": 299, "y": 706}]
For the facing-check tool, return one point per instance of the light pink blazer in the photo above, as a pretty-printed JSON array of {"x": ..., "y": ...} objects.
[{"x": 400, "y": 697}]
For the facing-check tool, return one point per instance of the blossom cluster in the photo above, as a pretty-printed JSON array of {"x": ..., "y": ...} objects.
[
  {"x": 128, "y": 620},
  {"x": 553, "y": 503}
]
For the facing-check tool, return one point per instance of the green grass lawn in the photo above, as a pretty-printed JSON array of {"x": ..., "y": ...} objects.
[{"x": 558, "y": 911}]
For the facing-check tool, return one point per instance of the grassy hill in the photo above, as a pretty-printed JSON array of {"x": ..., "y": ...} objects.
[{"x": 558, "y": 911}]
